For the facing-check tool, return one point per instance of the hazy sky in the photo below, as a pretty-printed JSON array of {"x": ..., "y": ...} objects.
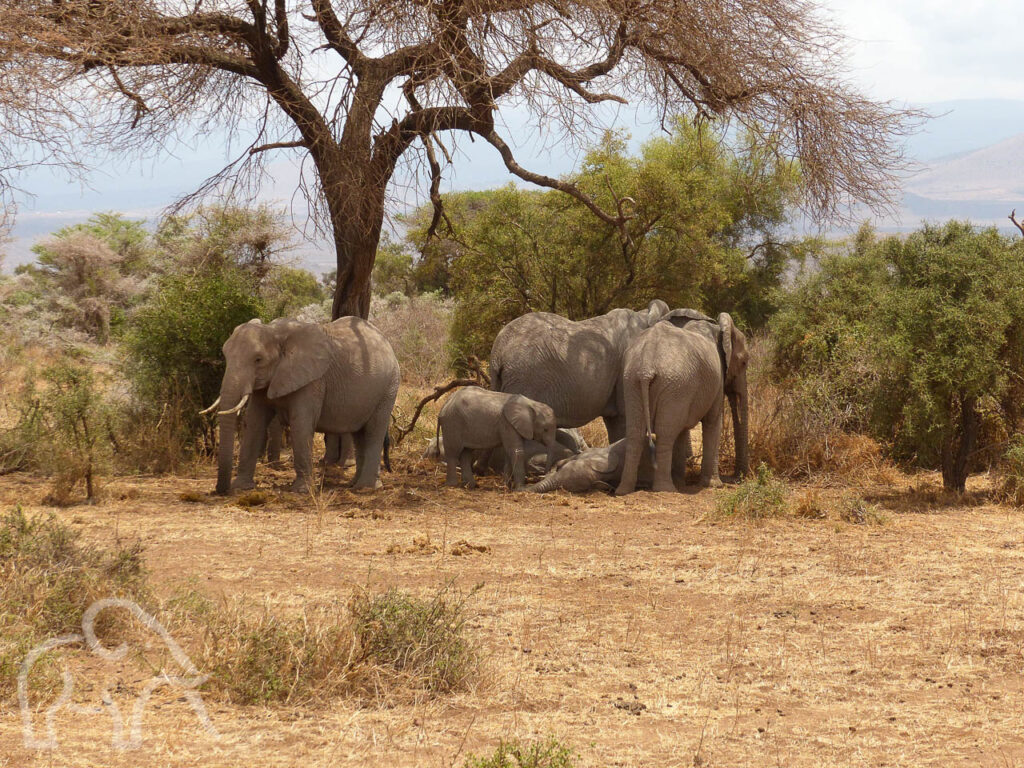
[{"x": 935, "y": 50}]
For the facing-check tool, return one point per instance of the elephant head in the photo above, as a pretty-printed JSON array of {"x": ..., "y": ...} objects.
[
  {"x": 736, "y": 356},
  {"x": 277, "y": 358},
  {"x": 533, "y": 421}
]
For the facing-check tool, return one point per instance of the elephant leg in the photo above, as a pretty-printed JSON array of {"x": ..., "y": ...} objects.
[
  {"x": 664, "y": 448},
  {"x": 303, "y": 426},
  {"x": 711, "y": 436},
  {"x": 369, "y": 444},
  {"x": 275, "y": 438},
  {"x": 680, "y": 456},
  {"x": 332, "y": 449},
  {"x": 466, "y": 458},
  {"x": 256, "y": 420},
  {"x": 630, "y": 464},
  {"x": 452, "y": 458}
]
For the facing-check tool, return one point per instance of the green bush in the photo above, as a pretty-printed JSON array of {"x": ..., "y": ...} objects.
[
  {"x": 64, "y": 429},
  {"x": 174, "y": 346},
  {"x": 707, "y": 231},
  {"x": 914, "y": 336},
  {"x": 758, "y": 497},
  {"x": 549, "y": 753}
]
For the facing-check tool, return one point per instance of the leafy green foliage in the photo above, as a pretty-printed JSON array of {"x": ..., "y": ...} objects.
[
  {"x": 705, "y": 232},
  {"x": 549, "y": 753},
  {"x": 62, "y": 429},
  {"x": 286, "y": 290},
  {"x": 174, "y": 346},
  {"x": 913, "y": 334},
  {"x": 761, "y": 496}
]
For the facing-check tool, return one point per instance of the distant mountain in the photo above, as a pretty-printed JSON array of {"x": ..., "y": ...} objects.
[
  {"x": 971, "y": 156},
  {"x": 959, "y": 127}
]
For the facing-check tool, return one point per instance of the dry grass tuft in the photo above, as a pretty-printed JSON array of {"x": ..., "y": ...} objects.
[
  {"x": 262, "y": 658},
  {"x": 549, "y": 753},
  {"x": 418, "y": 644},
  {"x": 857, "y": 511},
  {"x": 47, "y": 581}
]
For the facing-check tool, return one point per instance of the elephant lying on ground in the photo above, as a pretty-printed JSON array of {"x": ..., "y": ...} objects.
[
  {"x": 595, "y": 469},
  {"x": 675, "y": 376},
  {"x": 337, "y": 378},
  {"x": 575, "y": 367},
  {"x": 569, "y": 443},
  {"x": 475, "y": 418}
]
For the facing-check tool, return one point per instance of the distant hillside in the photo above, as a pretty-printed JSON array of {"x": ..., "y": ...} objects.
[{"x": 983, "y": 186}]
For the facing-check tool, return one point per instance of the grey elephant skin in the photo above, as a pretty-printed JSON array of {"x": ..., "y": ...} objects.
[
  {"x": 573, "y": 366},
  {"x": 473, "y": 418},
  {"x": 569, "y": 442},
  {"x": 337, "y": 378},
  {"x": 595, "y": 469},
  {"x": 675, "y": 376}
]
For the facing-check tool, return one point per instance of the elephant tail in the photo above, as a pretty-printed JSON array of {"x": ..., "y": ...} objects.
[
  {"x": 645, "y": 397},
  {"x": 387, "y": 450}
]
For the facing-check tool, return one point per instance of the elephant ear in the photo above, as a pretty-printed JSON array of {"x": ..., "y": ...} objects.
[
  {"x": 726, "y": 324},
  {"x": 656, "y": 310},
  {"x": 680, "y": 317},
  {"x": 305, "y": 356},
  {"x": 519, "y": 414}
]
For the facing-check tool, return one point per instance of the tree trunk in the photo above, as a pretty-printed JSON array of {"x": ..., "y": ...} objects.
[
  {"x": 356, "y": 206},
  {"x": 956, "y": 450}
]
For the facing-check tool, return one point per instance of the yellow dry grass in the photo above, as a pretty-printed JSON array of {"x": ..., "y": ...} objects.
[{"x": 640, "y": 630}]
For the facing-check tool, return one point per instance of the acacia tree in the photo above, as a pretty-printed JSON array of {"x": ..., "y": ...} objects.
[{"x": 356, "y": 83}]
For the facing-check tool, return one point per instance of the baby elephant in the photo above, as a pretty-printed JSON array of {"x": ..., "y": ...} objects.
[
  {"x": 595, "y": 469},
  {"x": 475, "y": 418}
]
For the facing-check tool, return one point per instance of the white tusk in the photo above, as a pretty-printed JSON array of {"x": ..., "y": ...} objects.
[
  {"x": 236, "y": 409},
  {"x": 211, "y": 408}
]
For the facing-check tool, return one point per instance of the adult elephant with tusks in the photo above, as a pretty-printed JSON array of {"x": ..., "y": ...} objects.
[
  {"x": 573, "y": 366},
  {"x": 337, "y": 378}
]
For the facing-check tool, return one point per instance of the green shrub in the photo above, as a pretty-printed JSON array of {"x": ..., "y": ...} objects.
[
  {"x": 286, "y": 290},
  {"x": 918, "y": 339},
  {"x": 761, "y": 496},
  {"x": 63, "y": 429},
  {"x": 174, "y": 345},
  {"x": 422, "y": 641},
  {"x": 1010, "y": 472},
  {"x": 549, "y": 753}
]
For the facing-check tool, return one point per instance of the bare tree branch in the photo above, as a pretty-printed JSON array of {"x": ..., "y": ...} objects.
[{"x": 1013, "y": 218}]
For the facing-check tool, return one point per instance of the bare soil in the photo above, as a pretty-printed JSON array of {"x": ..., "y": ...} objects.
[{"x": 642, "y": 631}]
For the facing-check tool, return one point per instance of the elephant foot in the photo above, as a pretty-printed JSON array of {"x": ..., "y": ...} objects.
[
  {"x": 714, "y": 482},
  {"x": 373, "y": 485},
  {"x": 663, "y": 486},
  {"x": 243, "y": 485},
  {"x": 300, "y": 486},
  {"x": 624, "y": 490}
]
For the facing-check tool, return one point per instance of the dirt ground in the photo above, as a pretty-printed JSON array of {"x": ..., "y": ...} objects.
[{"x": 641, "y": 631}]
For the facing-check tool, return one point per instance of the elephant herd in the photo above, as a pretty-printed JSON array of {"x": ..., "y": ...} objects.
[{"x": 650, "y": 375}]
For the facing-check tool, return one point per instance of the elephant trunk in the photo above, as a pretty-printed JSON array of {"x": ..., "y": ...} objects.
[
  {"x": 231, "y": 395},
  {"x": 226, "y": 452},
  {"x": 740, "y": 405}
]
